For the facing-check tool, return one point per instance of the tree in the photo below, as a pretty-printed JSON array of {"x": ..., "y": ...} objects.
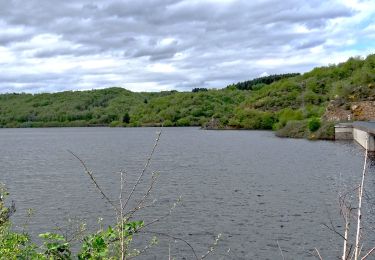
[{"x": 126, "y": 118}]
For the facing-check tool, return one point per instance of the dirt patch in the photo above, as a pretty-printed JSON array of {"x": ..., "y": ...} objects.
[{"x": 356, "y": 111}]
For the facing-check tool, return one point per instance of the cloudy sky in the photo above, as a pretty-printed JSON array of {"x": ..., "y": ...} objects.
[{"x": 152, "y": 45}]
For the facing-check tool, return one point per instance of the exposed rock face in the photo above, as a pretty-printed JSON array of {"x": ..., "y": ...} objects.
[
  {"x": 337, "y": 114},
  {"x": 360, "y": 111},
  {"x": 364, "y": 111}
]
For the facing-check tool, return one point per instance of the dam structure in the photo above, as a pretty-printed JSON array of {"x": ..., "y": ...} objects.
[{"x": 362, "y": 132}]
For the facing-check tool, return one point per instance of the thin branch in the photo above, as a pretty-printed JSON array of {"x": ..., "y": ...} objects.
[
  {"x": 317, "y": 251},
  {"x": 334, "y": 230},
  {"x": 350, "y": 250},
  {"x": 121, "y": 216},
  {"x": 281, "y": 251},
  {"x": 169, "y": 251},
  {"x": 211, "y": 249},
  {"x": 140, "y": 204},
  {"x": 143, "y": 170},
  {"x": 369, "y": 253},
  {"x": 140, "y": 252},
  {"x": 90, "y": 174},
  {"x": 175, "y": 238},
  {"x": 162, "y": 217}
]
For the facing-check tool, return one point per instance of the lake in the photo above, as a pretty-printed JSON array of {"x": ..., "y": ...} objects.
[{"x": 255, "y": 189}]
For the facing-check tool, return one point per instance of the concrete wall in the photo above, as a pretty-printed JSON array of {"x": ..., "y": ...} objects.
[
  {"x": 361, "y": 137},
  {"x": 343, "y": 133}
]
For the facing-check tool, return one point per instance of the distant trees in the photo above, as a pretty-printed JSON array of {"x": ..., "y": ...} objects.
[
  {"x": 257, "y": 83},
  {"x": 199, "y": 90},
  {"x": 271, "y": 104}
]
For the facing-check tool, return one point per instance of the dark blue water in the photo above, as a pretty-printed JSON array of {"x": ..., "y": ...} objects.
[{"x": 255, "y": 189}]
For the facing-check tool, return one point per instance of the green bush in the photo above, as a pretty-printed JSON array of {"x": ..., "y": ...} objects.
[
  {"x": 168, "y": 123},
  {"x": 294, "y": 129},
  {"x": 286, "y": 115},
  {"x": 115, "y": 124},
  {"x": 314, "y": 124},
  {"x": 325, "y": 132},
  {"x": 183, "y": 122}
]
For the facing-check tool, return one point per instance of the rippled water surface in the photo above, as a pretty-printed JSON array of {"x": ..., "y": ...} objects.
[{"x": 255, "y": 189}]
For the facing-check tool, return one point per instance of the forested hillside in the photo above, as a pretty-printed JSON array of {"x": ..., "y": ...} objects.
[
  {"x": 258, "y": 83},
  {"x": 293, "y": 103}
]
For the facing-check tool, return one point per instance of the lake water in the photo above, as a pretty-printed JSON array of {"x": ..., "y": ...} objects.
[{"x": 255, "y": 189}]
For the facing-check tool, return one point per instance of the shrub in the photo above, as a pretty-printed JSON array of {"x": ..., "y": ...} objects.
[
  {"x": 287, "y": 115},
  {"x": 168, "y": 123},
  {"x": 294, "y": 129},
  {"x": 314, "y": 124},
  {"x": 183, "y": 122},
  {"x": 326, "y": 131},
  {"x": 126, "y": 118},
  {"x": 115, "y": 124}
]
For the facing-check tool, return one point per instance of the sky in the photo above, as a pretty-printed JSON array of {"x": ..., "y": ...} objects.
[{"x": 155, "y": 45}]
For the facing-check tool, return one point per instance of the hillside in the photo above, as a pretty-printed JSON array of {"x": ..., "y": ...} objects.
[{"x": 296, "y": 105}]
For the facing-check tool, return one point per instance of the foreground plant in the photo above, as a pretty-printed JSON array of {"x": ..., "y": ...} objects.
[{"x": 353, "y": 249}]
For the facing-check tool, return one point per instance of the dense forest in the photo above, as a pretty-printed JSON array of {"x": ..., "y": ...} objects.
[
  {"x": 258, "y": 83},
  {"x": 289, "y": 101}
]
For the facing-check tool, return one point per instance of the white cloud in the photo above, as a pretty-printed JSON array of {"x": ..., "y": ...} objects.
[{"x": 6, "y": 56}]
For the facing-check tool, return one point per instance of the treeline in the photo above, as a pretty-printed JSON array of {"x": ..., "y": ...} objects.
[
  {"x": 260, "y": 82},
  {"x": 299, "y": 98}
]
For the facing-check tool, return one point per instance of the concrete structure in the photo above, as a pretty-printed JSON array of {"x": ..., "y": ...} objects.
[
  {"x": 362, "y": 132},
  {"x": 344, "y": 131}
]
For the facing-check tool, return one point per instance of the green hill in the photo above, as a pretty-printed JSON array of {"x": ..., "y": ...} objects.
[{"x": 293, "y": 104}]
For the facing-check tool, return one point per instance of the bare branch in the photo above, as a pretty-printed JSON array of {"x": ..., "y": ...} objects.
[
  {"x": 141, "y": 204},
  {"x": 334, "y": 230},
  {"x": 164, "y": 216},
  {"x": 175, "y": 238},
  {"x": 90, "y": 174},
  {"x": 317, "y": 251},
  {"x": 143, "y": 170},
  {"x": 122, "y": 216},
  {"x": 211, "y": 249},
  {"x": 369, "y": 253},
  {"x": 281, "y": 251}
]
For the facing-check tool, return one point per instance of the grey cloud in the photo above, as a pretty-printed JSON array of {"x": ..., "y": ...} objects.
[
  {"x": 154, "y": 50},
  {"x": 206, "y": 34},
  {"x": 310, "y": 44},
  {"x": 53, "y": 52},
  {"x": 8, "y": 38},
  {"x": 25, "y": 78}
]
